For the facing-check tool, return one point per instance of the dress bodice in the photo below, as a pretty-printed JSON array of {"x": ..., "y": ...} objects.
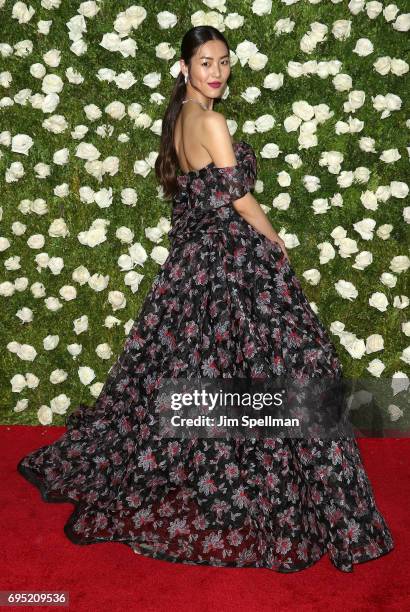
[{"x": 204, "y": 197}]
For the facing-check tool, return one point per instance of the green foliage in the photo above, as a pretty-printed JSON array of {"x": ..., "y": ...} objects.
[{"x": 299, "y": 219}]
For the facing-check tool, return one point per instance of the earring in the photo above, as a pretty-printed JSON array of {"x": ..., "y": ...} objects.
[{"x": 186, "y": 78}]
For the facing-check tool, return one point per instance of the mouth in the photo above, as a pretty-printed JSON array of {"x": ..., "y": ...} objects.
[{"x": 215, "y": 84}]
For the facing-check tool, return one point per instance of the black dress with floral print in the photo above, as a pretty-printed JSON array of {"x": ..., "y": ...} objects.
[{"x": 225, "y": 303}]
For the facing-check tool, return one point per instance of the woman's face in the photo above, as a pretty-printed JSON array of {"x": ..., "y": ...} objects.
[{"x": 210, "y": 69}]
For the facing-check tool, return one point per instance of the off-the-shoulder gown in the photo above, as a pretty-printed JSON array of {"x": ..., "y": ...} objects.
[{"x": 226, "y": 302}]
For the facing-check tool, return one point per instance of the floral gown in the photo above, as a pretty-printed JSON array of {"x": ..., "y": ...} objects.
[{"x": 226, "y": 302}]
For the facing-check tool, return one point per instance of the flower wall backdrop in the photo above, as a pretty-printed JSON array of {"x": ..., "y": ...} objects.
[{"x": 317, "y": 88}]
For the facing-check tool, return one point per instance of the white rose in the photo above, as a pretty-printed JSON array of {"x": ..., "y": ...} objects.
[
  {"x": 367, "y": 144},
  {"x": 303, "y": 110},
  {"x": 400, "y": 264},
  {"x": 257, "y": 61},
  {"x": 245, "y": 50},
  {"x": 117, "y": 300},
  {"x": 138, "y": 253},
  {"x": 307, "y": 139},
  {"x": 273, "y": 81},
  {"x": 89, "y": 9},
  {"x": 356, "y": 100},
  {"x": 111, "y": 165},
  {"x": 399, "y": 189},
  {"x": 50, "y": 342},
  {"x": 401, "y": 301},
  {"x": 383, "y": 193},
  {"x": 346, "y": 289},
  {"x": 52, "y": 83},
  {"x": 354, "y": 346},
  {"x": 36, "y": 241},
  {"x": 379, "y": 300},
  {"x": 124, "y": 234},
  {"x": 281, "y": 201},
  {"x": 347, "y": 246},
  {"x": 74, "y": 349},
  {"x": 376, "y": 367},
  {"x": 116, "y": 110},
  {"x": 320, "y": 206},
  {"x": 32, "y": 380},
  {"x": 58, "y": 228},
  {"x": 345, "y": 179},
  {"x": 292, "y": 123},
  {"x": 53, "y": 304},
  {"x": 294, "y": 69},
  {"x": 369, "y": 200},
  {"x": 52, "y": 58},
  {"x": 21, "y": 143},
  {"x": 399, "y": 67},
  {"x": 103, "y": 197},
  {"x": 402, "y": 23},
  {"x": 86, "y": 374},
  {"x": 390, "y": 12},
  {"x": 374, "y": 343},
  {"x": 362, "y": 260},
  {"x": 98, "y": 282},
  {"x": 80, "y": 275},
  {"x": 39, "y": 206},
  {"x": 312, "y": 276},
  {"x": 61, "y": 191},
  {"x": 361, "y": 174},
  {"x": 159, "y": 254},
  {"x": 322, "y": 113},
  {"x": 341, "y": 29},
  {"x": 38, "y": 290},
  {"x": 342, "y": 82},
  {"x": 311, "y": 183},
  {"x": 337, "y": 200},
  {"x": 104, "y": 351},
  {"x": 282, "y": 26},
  {"x": 365, "y": 228},
  {"x": 327, "y": 252},
  {"x": 363, "y": 47},
  {"x": 92, "y": 112},
  {"x": 382, "y": 65},
  {"x": 80, "y": 324},
  {"x": 164, "y": 51},
  {"x": 61, "y": 156},
  {"x": 388, "y": 279},
  {"x": 18, "y": 383},
  {"x": 45, "y": 415},
  {"x": 405, "y": 356},
  {"x": 60, "y": 403},
  {"x": 21, "y": 405},
  {"x": 22, "y": 12},
  {"x": 284, "y": 178},
  {"x": 294, "y": 160},
  {"x": 373, "y": 9},
  {"x": 395, "y": 412},
  {"x": 405, "y": 328},
  {"x": 58, "y": 376},
  {"x": 88, "y": 151},
  {"x": 390, "y": 155},
  {"x": 4, "y": 244},
  {"x": 356, "y": 6},
  {"x": 26, "y": 352},
  {"x": 25, "y": 314},
  {"x": 68, "y": 292},
  {"x": 400, "y": 382},
  {"x": 264, "y": 123},
  {"x": 55, "y": 265}
]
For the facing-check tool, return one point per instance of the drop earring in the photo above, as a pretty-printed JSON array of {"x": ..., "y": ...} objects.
[{"x": 186, "y": 79}]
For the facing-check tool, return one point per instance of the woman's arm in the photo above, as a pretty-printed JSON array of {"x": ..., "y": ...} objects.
[{"x": 249, "y": 208}]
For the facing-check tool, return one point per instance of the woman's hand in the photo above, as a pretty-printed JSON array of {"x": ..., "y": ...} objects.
[{"x": 282, "y": 246}]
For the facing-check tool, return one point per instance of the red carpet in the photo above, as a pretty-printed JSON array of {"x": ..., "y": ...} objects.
[{"x": 36, "y": 555}]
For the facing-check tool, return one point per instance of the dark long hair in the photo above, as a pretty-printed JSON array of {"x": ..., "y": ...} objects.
[{"x": 166, "y": 164}]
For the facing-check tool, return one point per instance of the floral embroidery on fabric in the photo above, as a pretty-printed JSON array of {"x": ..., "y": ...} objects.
[{"x": 226, "y": 302}]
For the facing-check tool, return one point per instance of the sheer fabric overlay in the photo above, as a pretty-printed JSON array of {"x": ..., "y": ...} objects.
[{"x": 225, "y": 303}]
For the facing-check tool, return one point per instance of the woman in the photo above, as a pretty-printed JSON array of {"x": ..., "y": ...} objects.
[{"x": 226, "y": 303}]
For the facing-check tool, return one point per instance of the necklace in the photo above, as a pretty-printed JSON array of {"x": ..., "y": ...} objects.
[{"x": 197, "y": 101}]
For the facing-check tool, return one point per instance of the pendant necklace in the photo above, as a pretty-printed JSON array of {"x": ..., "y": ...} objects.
[{"x": 197, "y": 101}]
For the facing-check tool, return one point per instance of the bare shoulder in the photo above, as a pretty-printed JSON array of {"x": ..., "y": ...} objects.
[
  {"x": 215, "y": 122},
  {"x": 217, "y": 139},
  {"x": 215, "y": 127}
]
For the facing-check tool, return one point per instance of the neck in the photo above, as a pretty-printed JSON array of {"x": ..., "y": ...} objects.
[{"x": 199, "y": 97}]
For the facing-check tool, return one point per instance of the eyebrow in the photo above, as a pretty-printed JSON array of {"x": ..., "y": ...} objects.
[{"x": 207, "y": 57}]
